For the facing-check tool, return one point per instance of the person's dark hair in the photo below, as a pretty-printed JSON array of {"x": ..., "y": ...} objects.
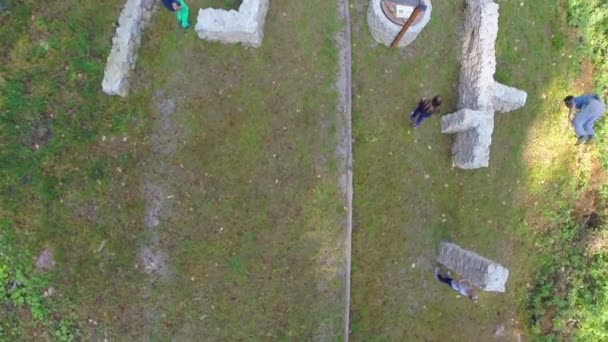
[
  {"x": 568, "y": 100},
  {"x": 436, "y": 101}
]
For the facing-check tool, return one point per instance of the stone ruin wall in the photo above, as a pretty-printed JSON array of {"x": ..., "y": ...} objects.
[
  {"x": 478, "y": 55},
  {"x": 479, "y": 95},
  {"x": 481, "y": 272},
  {"x": 244, "y": 26},
  {"x": 133, "y": 19}
]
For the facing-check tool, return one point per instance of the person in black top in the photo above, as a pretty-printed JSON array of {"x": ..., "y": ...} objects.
[{"x": 425, "y": 109}]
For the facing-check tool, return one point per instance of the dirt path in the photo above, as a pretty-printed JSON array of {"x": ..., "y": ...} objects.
[
  {"x": 344, "y": 86},
  {"x": 153, "y": 256}
]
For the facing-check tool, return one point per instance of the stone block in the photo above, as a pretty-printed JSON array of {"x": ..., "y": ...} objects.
[
  {"x": 471, "y": 149},
  {"x": 479, "y": 271},
  {"x": 462, "y": 120},
  {"x": 384, "y": 30},
  {"x": 507, "y": 99},
  {"x": 244, "y": 26},
  {"x": 121, "y": 61}
]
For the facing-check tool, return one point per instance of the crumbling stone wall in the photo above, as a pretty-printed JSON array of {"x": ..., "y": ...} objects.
[
  {"x": 244, "y": 26},
  {"x": 479, "y": 271},
  {"x": 479, "y": 95},
  {"x": 134, "y": 17},
  {"x": 384, "y": 30}
]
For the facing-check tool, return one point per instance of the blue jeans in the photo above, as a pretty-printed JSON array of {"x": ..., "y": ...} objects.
[
  {"x": 418, "y": 115},
  {"x": 586, "y": 118}
]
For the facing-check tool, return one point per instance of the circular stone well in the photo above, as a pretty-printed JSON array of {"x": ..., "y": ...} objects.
[{"x": 385, "y": 26}]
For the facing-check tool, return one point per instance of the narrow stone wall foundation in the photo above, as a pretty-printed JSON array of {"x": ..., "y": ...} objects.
[
  {"x": 244, "y": 26},
  {"x": 134, "y": 17}
]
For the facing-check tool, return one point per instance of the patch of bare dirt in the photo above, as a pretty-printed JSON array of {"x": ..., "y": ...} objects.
[
  {"x": 154, "y": 263},
  {"x": 40, "y": 136},
  {"x": 154, "y": 197},
  {"x": 45, "y": 260},
  {"x": 585, "y": 79},
  {"x": 344, "y": 154},
  {"x": 589, "y": 201},
  {"x": 166, "y": 137}
]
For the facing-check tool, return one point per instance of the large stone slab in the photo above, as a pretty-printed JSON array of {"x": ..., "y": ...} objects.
[
  {"x": 461, "y": 121},
  {"x": 244, "y": 26},
  {"x": 384, "y": 30},
  {"x": 507, "y": 99},
  {"x": 121, "y": 62},
  {"x": 479, "y": 271}
]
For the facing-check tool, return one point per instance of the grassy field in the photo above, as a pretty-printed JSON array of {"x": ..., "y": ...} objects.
[
  {"x": 237, "y": 145},
  {"x": 222, "y": 165},
  {"x": 408, "y": 198}
]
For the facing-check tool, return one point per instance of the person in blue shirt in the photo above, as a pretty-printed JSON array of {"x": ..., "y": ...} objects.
[
  {"x": 181, "y": 9},
  {"x": 590, "y": 108},
  {"x": 425, "y": 109}
]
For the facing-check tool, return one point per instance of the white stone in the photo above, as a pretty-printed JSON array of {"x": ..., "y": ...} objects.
[
  {"x": 462, "y": 120},
  {"x": 121, "y": 62},
  {"x": 507, "y": 99},
  {"x": 478, "y": 56},
  {"x": 384, "y": 30},
  {"x": 244, "y": 26},
  {"x": 479, "y": 271},
  {"x": 471, "y": 148},
  {"x": 480, "y": 96}
]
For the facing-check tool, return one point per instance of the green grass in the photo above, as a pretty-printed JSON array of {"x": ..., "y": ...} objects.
[
  {"x": 252, "y": 219},
  {"x": 401, "y": 216},
  {"x": 254, "y": 233}
]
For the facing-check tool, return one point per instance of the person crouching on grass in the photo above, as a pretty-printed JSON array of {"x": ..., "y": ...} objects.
[
  {"x": 591, "y": 108},
  {"x": 425, "y": 109},
  {"x": 181, "y": 9},
  {"x": 462, "y": 286}
]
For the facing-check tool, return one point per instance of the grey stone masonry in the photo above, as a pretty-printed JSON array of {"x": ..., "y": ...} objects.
[
  {"x": 121, "y": 62},
  {"x": 480, "y": 96},
  {"x": 507, "y": 99},
  {"x": 384, "y": 30},
  {"x": 479, "y": 271},
  {"x": 244, "y": 26}
]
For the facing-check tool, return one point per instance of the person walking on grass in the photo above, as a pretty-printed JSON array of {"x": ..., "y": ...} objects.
[
  {"x": 181, "y": 9},
  {"x": 425, "y": 109},
  {"x": 591, "y": 108},
  {"x": 462, "y": 286}
]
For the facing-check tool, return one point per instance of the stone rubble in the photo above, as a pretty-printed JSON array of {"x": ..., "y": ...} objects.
[
  {"x": 244, "y": 26},
  {"x": 384, "y": 30},
  {"x": 134, "y": 17},
  {"x": 479, "y": 271},
  {"x": 480, "y": 96}
]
